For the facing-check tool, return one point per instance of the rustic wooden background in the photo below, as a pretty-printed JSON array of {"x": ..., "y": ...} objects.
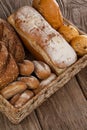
[{"x": 67, "y": 108}]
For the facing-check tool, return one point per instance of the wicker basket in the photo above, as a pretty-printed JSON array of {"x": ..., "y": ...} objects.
[{"x": 16, "y": 115}]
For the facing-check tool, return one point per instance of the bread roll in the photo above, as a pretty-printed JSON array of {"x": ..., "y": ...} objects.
[
  {"x": 24, "y": 97},
  {"x": 42, "y": 40},
  {"x": 13, "y": 89},
  {"x": 79, "y": 44},
  {"x": 14, "y": 98},
  {"x": 45, "y": 82},
  {"x": 50, "y": 11},
  {"x": 68, "y": 32},
  {"x": 41, "y": 70},
  {"x": 11, "y": 40},
  {"x": 26, "y": 67},
  {"x": 32, "y": 82}
]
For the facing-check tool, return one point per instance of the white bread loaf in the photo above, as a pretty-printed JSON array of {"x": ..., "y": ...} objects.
[{"x": 42, "y": 40}]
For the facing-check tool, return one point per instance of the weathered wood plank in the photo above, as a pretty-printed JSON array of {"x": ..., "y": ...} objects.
[
  {"x": 66, "y": 110},
  {"x": 82, "y": 80}
]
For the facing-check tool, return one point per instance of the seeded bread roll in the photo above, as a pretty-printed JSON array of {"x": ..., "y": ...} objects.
[
  {"x": 80, "y": 44},
  {"x": 50, "y": 11},
  {"x": 68, "y": 32},
  {"x": 42, "y": 40},
  {"x": 11, "y": 40}
]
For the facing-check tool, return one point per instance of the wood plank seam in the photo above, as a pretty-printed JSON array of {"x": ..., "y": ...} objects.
[{"x": 81, "y": 87}]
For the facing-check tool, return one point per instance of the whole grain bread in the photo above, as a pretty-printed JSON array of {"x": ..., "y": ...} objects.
[{"x": 11, "y": 40}]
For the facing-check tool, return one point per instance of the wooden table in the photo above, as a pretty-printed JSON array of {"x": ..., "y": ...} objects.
[{"x": 67, "y": 108}]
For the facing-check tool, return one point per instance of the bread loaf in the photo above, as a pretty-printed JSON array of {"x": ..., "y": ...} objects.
[
  {"x": 50, "y": 11},
  {"x": 42, "y": 40},
  {"x": 11, "y": 72},
  {"x": 11, "y": 41}
]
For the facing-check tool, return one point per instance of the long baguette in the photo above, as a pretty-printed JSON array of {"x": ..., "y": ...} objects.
[{"x": 42, "y": 40}]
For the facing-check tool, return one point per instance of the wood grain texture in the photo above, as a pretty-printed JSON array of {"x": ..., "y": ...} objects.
[
  {"x": 67, "y": 109},
  {"x": 82, "y": 80}
]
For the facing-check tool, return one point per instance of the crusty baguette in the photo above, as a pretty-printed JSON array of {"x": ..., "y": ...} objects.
[
  {"x": 50, "y": 11},
  {"x": 42, "y": 40}
]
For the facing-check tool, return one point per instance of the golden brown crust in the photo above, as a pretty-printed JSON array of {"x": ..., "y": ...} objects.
[
  {"x": 10, "y": 73},
  {"x": 80, "y": 44},
  {"x": 42, "y": 70},
  {"x": 50, "y": 11},
  {"x": 8, "y": 35},
  {"x": 26, "y": 67},
  {"x": 13, "y": 88},
  {"x": 24, "y": 97},
  {"x": 68, "y": 32},
  {"x": 32, "y": 82}
]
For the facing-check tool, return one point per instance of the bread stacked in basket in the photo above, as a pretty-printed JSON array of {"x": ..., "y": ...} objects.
[{"x": 54, "y": 45}]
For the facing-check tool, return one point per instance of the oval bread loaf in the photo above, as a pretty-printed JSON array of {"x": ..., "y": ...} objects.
[{"x": 50, "y": 11}]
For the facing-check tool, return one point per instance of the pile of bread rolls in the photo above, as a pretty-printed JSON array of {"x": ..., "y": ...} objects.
[
  {"x": 34, "y": 76},
  {"x": 45, "y": 35}
]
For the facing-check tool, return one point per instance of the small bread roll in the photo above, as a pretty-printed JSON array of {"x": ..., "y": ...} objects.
[
  {"x": 68, "y": 32},
  {"x": 32, "y": 82},
  {"x": 45, "y": 82},
  {"x": 13, "y": 88},
  {"x": 50, "y": 11},
  {"x": 14, "y": 98},
  {"x": 24, "y": 97},
  {"x": 26, "y": 68},
  {"x": 80, "y": 44},
  {"x": 41, "y": 70}
]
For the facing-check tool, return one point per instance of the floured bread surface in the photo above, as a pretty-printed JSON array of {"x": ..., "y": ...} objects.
[
  {"x": 33, "y": 25},
  {"x": 11, "y": 41},
  {"x": 10, "y": 73}
]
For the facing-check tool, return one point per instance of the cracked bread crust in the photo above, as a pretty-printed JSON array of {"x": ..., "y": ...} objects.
[{"x": 10, "y": 73}]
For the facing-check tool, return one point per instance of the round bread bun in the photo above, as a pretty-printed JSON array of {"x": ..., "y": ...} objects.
[
  {"x": 50, "y": 11},
  {"x": 68, "y": 32},
  {"x": 31, "y": 81},
  {"x": 26, "y": 67},
  {"x": 80, "y": 44},
  {"x": 42, "y": 70}
]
